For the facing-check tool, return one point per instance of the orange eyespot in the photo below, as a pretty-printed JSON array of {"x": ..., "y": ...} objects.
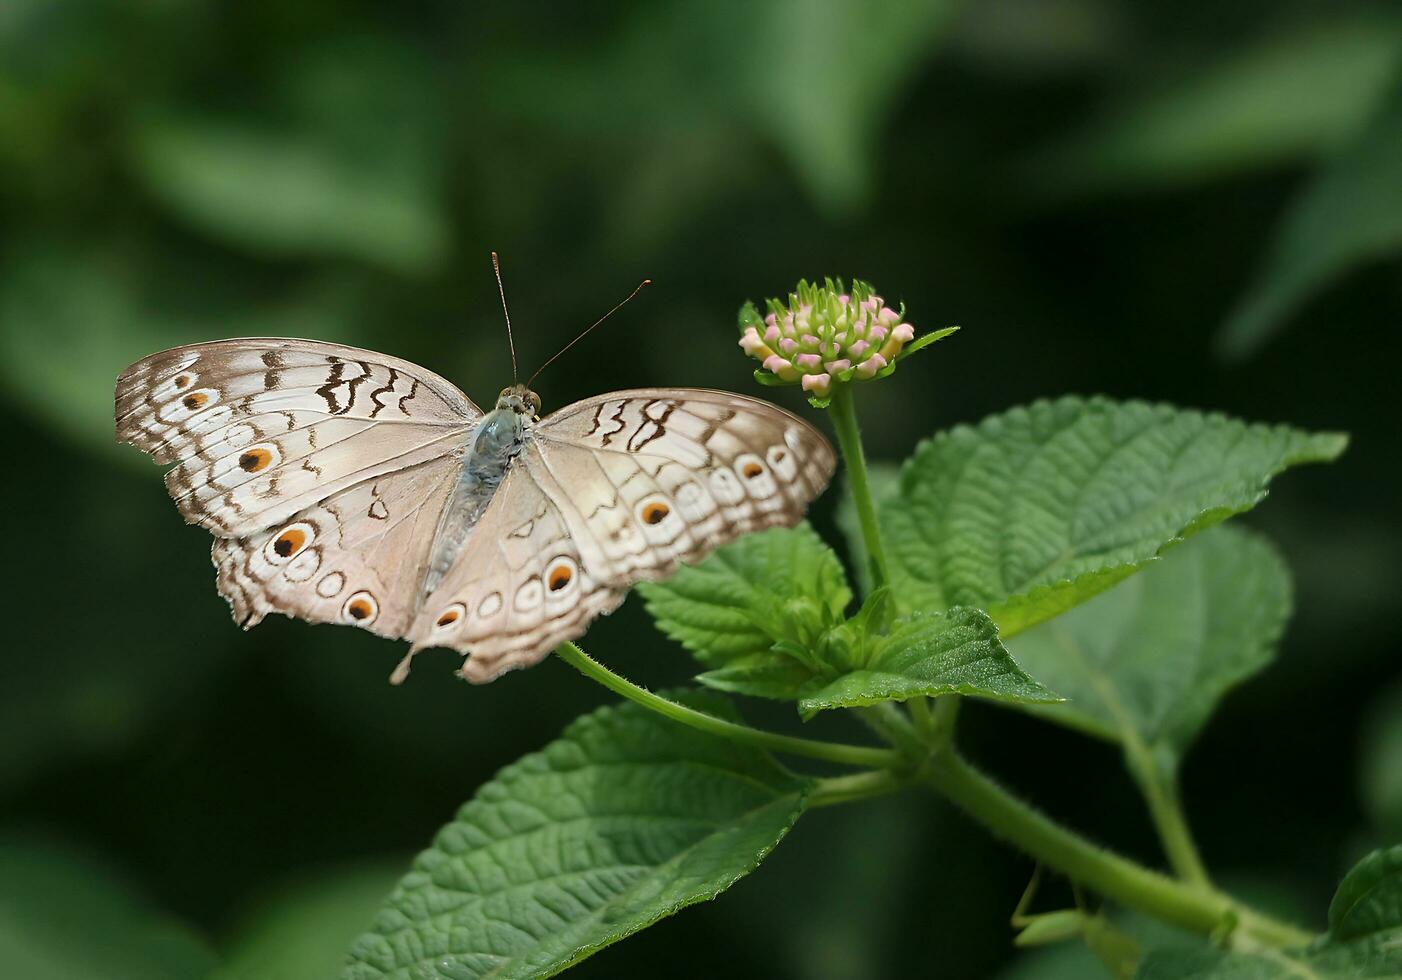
[
  {"x": 194, "y": 400},
  {"x": 361, "y": 608},
  {"x": 654, "y": 512},
  {"x": 450, "y": 616},
  {"x": 560, "y": 577},
  {"x": 255, "y": 460},
  {"x": 183, "y": 381},
  {"x": 290, "y": 542},
  {"x": 752, "y": 470}
]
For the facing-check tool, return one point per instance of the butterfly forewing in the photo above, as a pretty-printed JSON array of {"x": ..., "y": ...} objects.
[{"x": 264, "y": 428}]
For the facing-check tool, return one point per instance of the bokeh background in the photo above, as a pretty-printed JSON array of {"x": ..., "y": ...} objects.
[{"x": 1191, "y": 201}]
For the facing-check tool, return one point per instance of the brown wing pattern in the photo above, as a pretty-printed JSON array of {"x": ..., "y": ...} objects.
[
  {"x": 265, "y": 428},
  {"x": 608, "y": 492},
  {"x": 355, "y": 558}
]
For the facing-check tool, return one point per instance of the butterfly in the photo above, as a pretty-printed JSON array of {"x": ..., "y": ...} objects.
[{"x": 347, "y": 486}]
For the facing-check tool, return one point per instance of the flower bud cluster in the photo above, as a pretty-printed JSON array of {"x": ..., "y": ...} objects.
[{"x": 825, "y": 335}]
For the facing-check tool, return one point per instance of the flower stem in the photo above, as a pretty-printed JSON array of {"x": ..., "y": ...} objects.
[
  {"x": 1196, "y": 907},
  {"x": 851, "y": 755},
  {"x": 849, "y": 440}
]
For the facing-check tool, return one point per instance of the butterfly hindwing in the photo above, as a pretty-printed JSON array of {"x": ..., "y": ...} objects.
[
  {"x": 356, "y": 557},
  {"x": 519, "y": 588}
]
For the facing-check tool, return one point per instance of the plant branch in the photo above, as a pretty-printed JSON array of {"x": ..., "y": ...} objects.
[
  {"x": 850, "y": 755},
  {"x": 1193, "y": 907},
  {"x": 853, "y": 787},
  {"x": 849, "y": 440},
  {"x": 1160, "y": 792}
]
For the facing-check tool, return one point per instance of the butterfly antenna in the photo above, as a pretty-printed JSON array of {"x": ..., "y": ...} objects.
[
  {"x": 496, "y": 267},
  {"x": 645, "y": 282}
]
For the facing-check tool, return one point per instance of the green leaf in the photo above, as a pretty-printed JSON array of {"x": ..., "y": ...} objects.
[
  {"x": 1364, "y": 938},
  {"x": 320, "y": 180},
  {"x": 923, "y": 341},
  {"x": 1034, "y": 511},
  {"x": 1285, "y": 97},
  {"x": 783, "y": 585},
  {"x": 1369, "y": 899},
  {"x": 66, "y": 916},
  {"x": 625, "y": 819},
  {"x": 956, "y": 652},
  {"x": 1378, "y": 956},
  {"x": 1148, "y": 660},
  {"x": 301, "y": 931},
  {"x": 1349, "y": 214}
]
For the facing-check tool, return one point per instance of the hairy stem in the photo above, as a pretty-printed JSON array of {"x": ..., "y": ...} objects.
[
  {"x": 853, "y": 787},
  {"x": 1160, "y": 792},
  {"x": 1194, "y": 907},
  {"x": 851, "y": 755},
  {"x": 849, "y": 440}
]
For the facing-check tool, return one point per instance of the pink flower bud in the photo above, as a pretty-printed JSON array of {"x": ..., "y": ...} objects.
[
  {"x": 838, "y": 366},
  {"x": 806, "y": 361},
  {"x": 771, "y": 334},
  {"x": 857, "y": 349},
  {"x": 876, "y": 334},
  {"x": 787, "y": 345},
  {"x": 752, "y": 345},
  {"x": 868, "y": 368},
  {"x": 818, "y": 384},
  {"x": 775, "y": 364},
  {"x": 899, "y": 336}
]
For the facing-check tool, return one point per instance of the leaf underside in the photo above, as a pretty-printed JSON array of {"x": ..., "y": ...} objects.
[{"x": 1150, "y": 658}]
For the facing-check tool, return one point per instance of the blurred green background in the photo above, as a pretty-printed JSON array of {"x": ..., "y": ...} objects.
[{"x": 1196, "y": 202}]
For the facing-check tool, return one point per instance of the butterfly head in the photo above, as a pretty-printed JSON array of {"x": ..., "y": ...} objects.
[{"x": 519, "y": 399}]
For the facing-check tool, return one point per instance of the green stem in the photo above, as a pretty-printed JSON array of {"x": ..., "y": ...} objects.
[
  {"x": 1190, "y": 906},
  {"x": 922, "y": 716},
  {"x": 893, "y": 725},
  {"x": 853, "y": 787},
  {"x": 1160, "y": 792},
  {"x": 844, "y": 414},
  {"x": 851, "y": 755}
]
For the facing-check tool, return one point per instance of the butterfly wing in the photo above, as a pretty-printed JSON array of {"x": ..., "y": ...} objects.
[
  {"x": 358, "y": 557},
  {"x": 610, "y": 491},
  {"x": 265, "y": 428},
  {"x": 518, "y": 589},
  {"x": 656, "y": 477},
  {"x": 321, "y": 470}
]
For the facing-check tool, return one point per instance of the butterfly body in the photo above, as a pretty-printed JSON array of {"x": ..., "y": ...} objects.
[
  {"x": 491, "y": 447},
  {"x": 349, "y": 486}
]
